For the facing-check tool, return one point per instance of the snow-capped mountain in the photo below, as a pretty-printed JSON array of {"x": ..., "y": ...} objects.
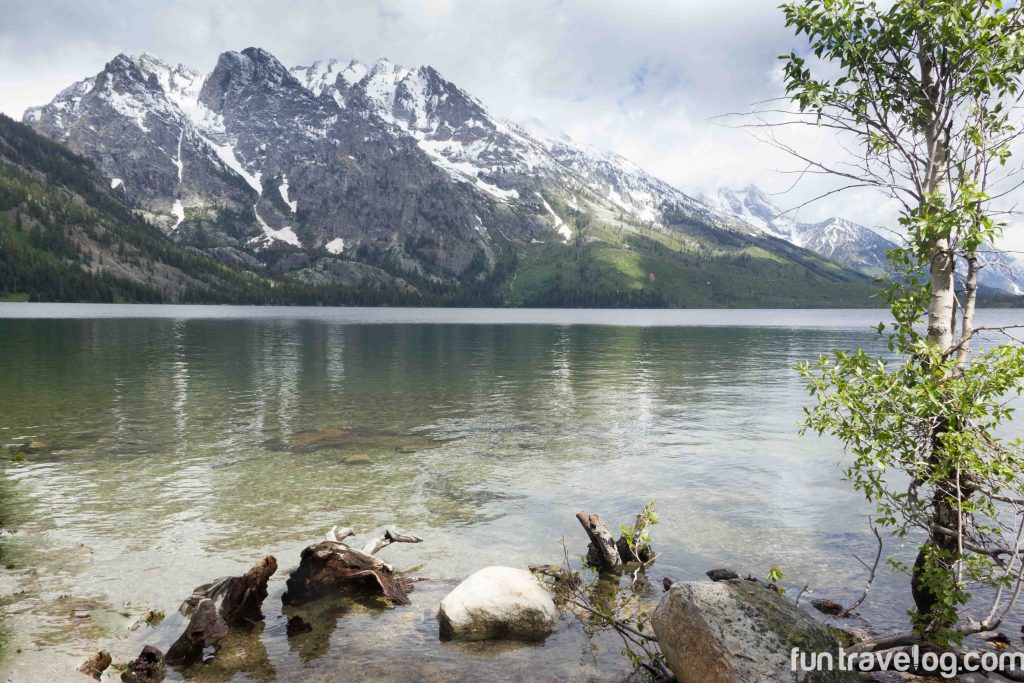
[
  {"x": 841, "y": 240},
  {"x": 381, "y": 176},
  {"x": 838, "y": 239},
  {"x": 382, "y": 163}
]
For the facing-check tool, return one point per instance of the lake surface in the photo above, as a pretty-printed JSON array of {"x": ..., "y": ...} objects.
[{"x": 177, "y": 457}]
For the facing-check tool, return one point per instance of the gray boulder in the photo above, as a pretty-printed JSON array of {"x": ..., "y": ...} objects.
[
  {"x": 727, "y": 631},
  {"x": 498, "y": 602}
]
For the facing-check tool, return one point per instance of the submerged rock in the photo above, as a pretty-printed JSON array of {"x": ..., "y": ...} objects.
[
  {"x": 297, "y": 625},
  {"x": 726, "y": 631},
  {"x": 325, "y": 437},
  {"x": 498, "y": 602},
  {"x": 722, "y": 575},
  {"x": 358, "y": 460},
  {"x": 355, "y": 439}
]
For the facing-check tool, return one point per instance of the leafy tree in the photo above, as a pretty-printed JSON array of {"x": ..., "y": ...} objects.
[{"x": 926, "y": 93}]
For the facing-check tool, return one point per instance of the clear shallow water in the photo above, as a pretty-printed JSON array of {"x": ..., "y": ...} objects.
[{"x": 482, "y": 431}]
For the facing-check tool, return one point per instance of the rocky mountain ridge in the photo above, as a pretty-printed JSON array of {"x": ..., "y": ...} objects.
[
  {"x": 383, "y": 176},
  {"x": 845, "y": 242}
]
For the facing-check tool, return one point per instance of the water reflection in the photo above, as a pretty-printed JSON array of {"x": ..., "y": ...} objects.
[{"x": 179, "y": 457}]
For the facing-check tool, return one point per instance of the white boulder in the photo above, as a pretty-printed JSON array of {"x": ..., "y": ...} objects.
[{"x": 498, "y": 602}]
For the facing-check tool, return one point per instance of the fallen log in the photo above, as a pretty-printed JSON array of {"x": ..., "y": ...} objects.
[
  {"x": 239, "y": 599},
  {"x": 148, "y": 667},
  {"x": 331, "y": 564},
  {"x": 204, "y": 629}
]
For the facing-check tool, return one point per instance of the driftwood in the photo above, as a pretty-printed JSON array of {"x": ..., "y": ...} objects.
[
  {"x": 390, "y": 536},
  {"x": 331, "y": 564},
  {"x": 603, "y": 552},
  {"x": 204, "y": 629},
  {"x": 148, "y": 667},
  {"x": 96, "y": 664},
  {"x": 239, "y": 599},
  {"x": 212, "y": 609}
]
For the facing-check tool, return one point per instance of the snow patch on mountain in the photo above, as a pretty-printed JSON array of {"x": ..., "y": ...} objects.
[
  {"x": 226, "y": 153},
  {"x": 462, "y": 170},
  {"x": 178, "y": 211},
  {"x": 283, "y": 188},
  {"x": 285, "y": 234},
  {"x": 560, "y": 227}
]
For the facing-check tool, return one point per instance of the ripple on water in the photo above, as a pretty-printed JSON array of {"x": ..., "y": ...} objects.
[{"x": 181, "y": 458}]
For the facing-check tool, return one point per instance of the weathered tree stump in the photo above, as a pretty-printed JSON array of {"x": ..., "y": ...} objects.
[
  {"x": 239, "y": 598},
  {"x": 212, "y": 609},
  {"x": 331, "y": 564},
  {"x": 204, "y": 629},
  {"x": 148, "y": 667},
  {"x": 603, "y": 552},
  {"x": 96, "y": 664}
]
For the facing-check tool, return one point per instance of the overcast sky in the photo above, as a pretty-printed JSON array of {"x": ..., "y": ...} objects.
[{"x": 645, "y": 79}]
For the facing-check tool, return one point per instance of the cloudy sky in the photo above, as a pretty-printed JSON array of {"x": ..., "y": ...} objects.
[{"x": 646, "y": 79}]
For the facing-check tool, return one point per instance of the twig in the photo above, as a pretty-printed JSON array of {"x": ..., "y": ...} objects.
[{"x": 871, "y": 577}]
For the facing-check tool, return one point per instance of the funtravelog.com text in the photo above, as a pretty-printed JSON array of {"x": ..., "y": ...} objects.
[{"x": 946, "y": 664}]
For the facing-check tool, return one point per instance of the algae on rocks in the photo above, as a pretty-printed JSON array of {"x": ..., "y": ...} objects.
[{"x": 738, "y": 630}]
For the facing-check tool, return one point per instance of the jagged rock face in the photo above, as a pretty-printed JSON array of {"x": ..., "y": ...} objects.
[
  {"x": 125, "y": 120},
  {"x": 249, "y": 157}
]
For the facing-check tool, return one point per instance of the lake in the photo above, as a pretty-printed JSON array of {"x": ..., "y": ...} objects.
[{"x": 176, "y": 455}]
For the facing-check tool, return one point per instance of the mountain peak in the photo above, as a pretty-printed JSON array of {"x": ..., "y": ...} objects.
[
  {"x": 266, "y": 66},
  {"x": 238, "y": 71}
]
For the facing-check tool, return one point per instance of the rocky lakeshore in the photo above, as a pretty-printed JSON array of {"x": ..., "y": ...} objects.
[{"x": 724, "y": 629}]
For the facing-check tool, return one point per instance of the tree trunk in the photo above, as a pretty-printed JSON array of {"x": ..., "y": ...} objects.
[
  {"x": 967, "y": 323},
  {"x": 941, "y": 309}
]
